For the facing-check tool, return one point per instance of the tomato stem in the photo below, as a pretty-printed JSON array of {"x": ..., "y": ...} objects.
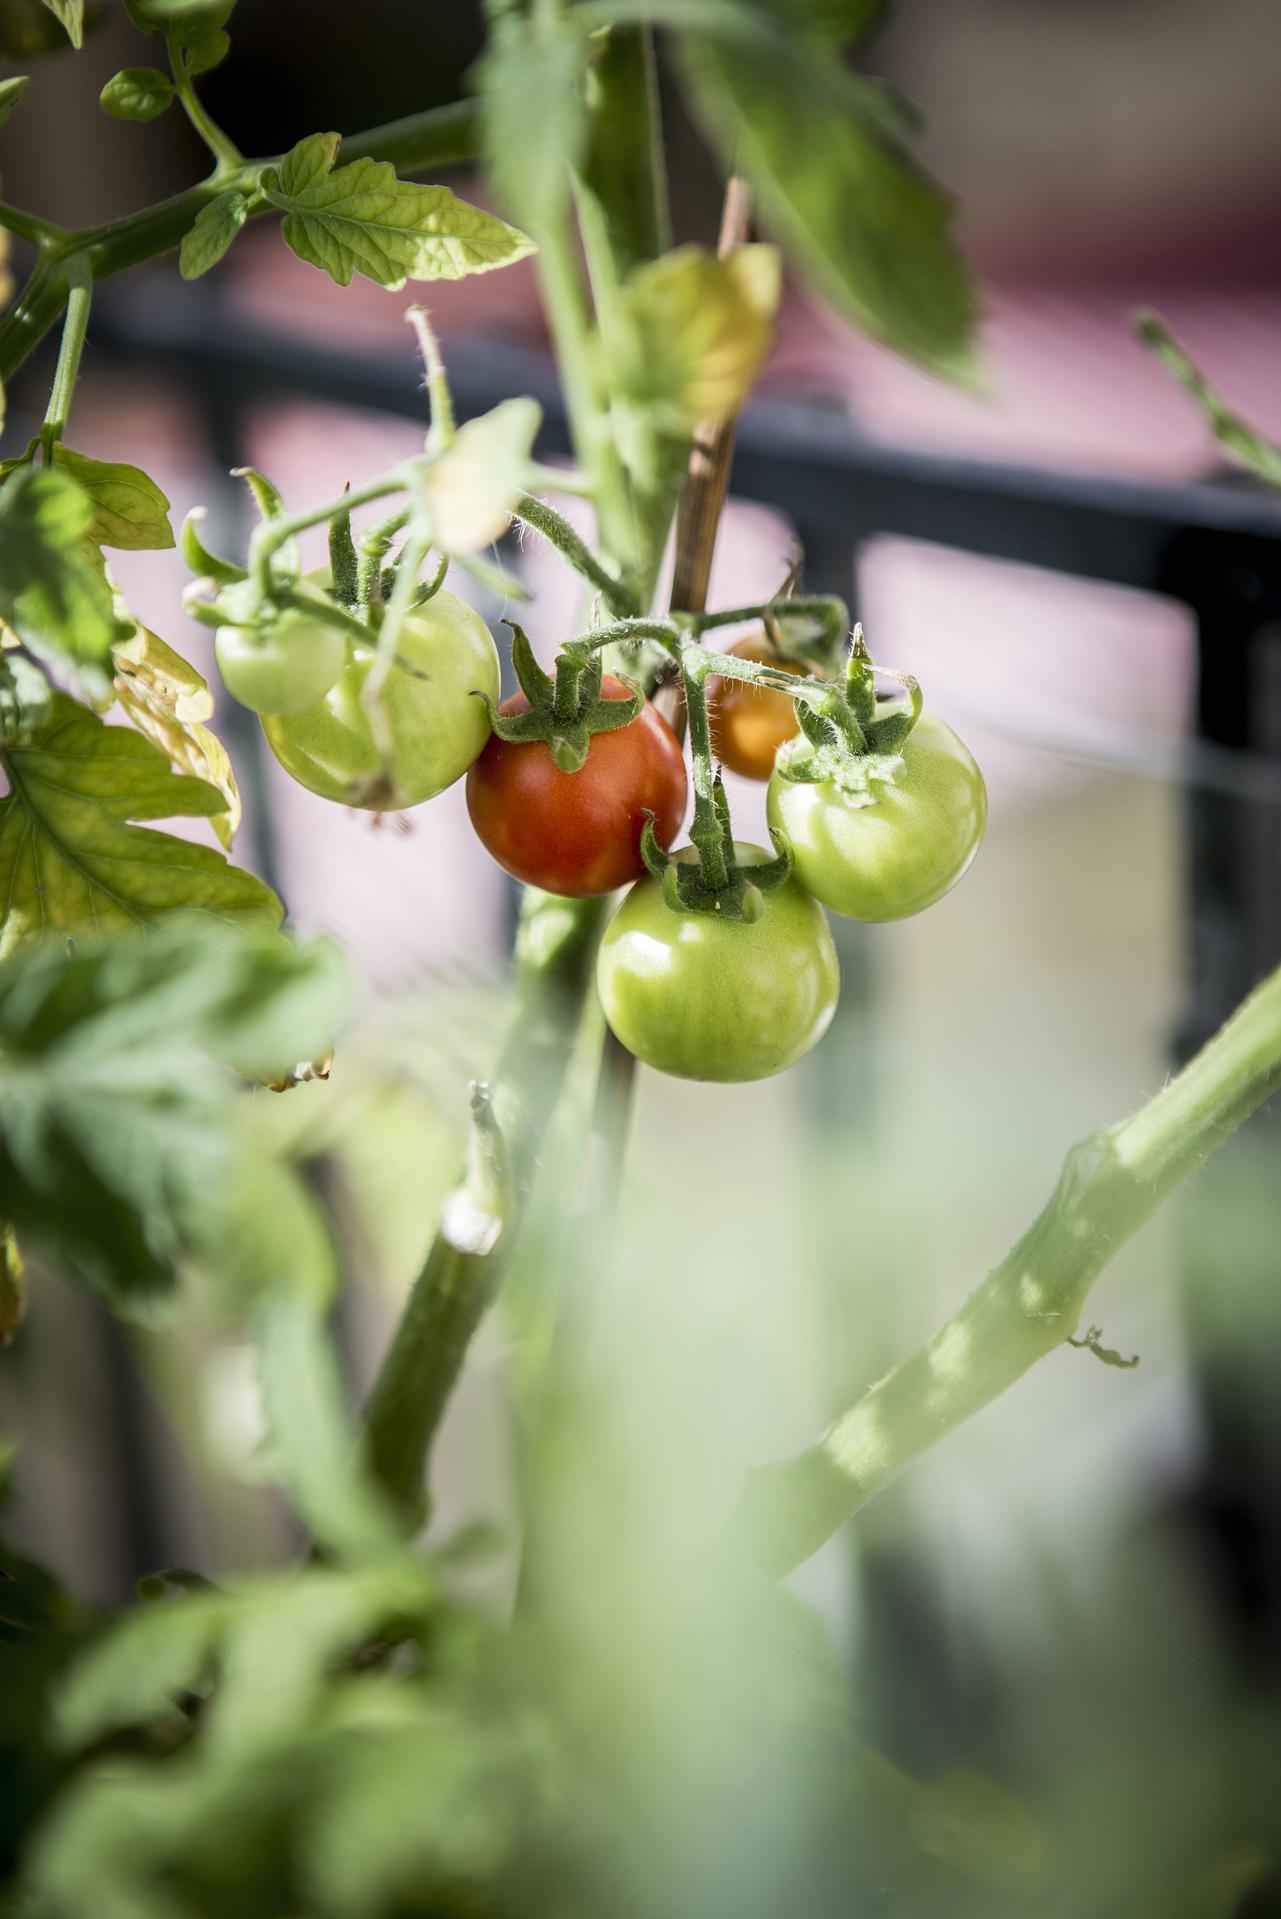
[{"x": 1111, "y": 1184}]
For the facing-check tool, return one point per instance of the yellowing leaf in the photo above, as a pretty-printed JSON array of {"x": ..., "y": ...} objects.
[
  {"x": 695, "y": 331},
  {"x": 72, "y": 858},
  {"x": 471, "y": 489},
  {"x": 167, "y": 699},
  {"x": 129, "y": 510}
]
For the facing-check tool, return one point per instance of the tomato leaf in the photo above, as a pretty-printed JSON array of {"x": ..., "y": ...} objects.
[
  {"x": 361, "y": 219},
  {"x": 216, "y": 226},
  {"x": 137, "y": 93},
  {"x": 50, "y": 594},
  {"x": 871, "y": 230},
  {"x": 11, "y": 92},
  {"x": 73, "y": 860},
  {"x": 1235, "y": 435},
  {"x": 25, "y": 698},
  {"x": 189, "y": 21},
  {"x": 693, "y": 332},
  {"x": 71, "y": 15},
  {"x": 471, "y": 489},
  {"x": 129, "y": 510},
  {"x": 167, "y": 699},
  {"x": 533, "y": 113},
  {"x": 210, "y": 51}
]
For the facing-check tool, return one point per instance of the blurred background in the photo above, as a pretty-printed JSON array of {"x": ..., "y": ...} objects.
[{"x": 1094, "y": 606}]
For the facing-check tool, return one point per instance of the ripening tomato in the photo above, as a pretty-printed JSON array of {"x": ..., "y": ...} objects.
[
  {"x": 899, "y": 851},
  {"x": 445, "y": 658},
  {"x": 282, "y": 668},
  {"x": 578, "y": 833},
  {"x": 749, "y": 723},
  {"x": 709, "y": 998}
]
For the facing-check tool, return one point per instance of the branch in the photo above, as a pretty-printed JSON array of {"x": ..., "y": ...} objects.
[
  {"x": 441, "y": 137},
  {"x": 1111, "y": 1185}
]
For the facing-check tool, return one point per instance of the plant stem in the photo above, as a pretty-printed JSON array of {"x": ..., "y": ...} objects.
[
  {"x": 227, "y": 156},
  {"x": 553, "y": 526},
  {"x": 555, "y": 954},
  {"x": 1110, "y": 1185},
  {"x": 705, "y": 832},
  {"x": 64, "y": 378},
  {"x": 270, "y": 535},
  {"x": 29, "y": 227}
]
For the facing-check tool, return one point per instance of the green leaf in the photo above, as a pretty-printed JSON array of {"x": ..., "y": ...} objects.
[
  {"x": 869, "y": 228},
  {"x": 361, "y": 219},
  {"x": 11, "y": 92},
  {"x": 137, "y": 93},
  {"x": 71, "y": 859},
  {"x": 71, "y": 15},
  {"x": 50, "y": 594},
  {"x": 1233, "y": 433},
  {"x": 117, "y": 1153},
  {"x": 275, "y": 1642},
  {"x": 129, "y": 510},
  {"x": 189, "y": 21},
  {"x": 25, "y": 698},
  {"x": 470, "y": 490},
  {"x": 533, "y": 113},
  {"x": 215, "y": 228},
  {"x": 205, "y": 54}
]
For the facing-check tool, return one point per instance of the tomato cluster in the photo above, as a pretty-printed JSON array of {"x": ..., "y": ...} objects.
[{"x": 689, "y": 988}]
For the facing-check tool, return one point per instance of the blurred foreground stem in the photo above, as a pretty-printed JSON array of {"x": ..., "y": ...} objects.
[
  {"x": 555, "y": 954},
  {"x": 1111, "y": 1185}
]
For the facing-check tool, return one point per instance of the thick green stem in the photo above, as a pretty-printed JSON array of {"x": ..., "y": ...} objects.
[
  {"x": 706, "y": 831},
  {"x": 441, "y": 137},
  {"x": 27, "y": 226},
  {"x": 555, "y": 954},
  {"x": 1110, "y": 1185},
  {"x": 64, "y": 379}
]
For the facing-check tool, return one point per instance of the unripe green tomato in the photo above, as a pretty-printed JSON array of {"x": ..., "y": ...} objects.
[
  {"x": 445, "y": 658},
  {"x": 284, "y": 667},
  {"x": 901, "y": 851},
  {"x": 708, "y": 998}
]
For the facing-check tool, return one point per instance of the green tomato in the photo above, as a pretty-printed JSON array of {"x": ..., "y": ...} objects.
[
  {"x": 898, "y": 852},
  {"x": 445, "y": 658},
  {"x": 282, "y": 668},
  {"x": 707, "y": 998}
]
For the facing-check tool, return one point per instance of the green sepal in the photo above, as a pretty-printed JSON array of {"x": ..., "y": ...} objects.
[
  {"x": 266, "y": 496},
  {"x": 887, "y": 733},
  {"x": 344, "y": 563},
  {"x": 198, "y": 557},
  {"x": 859, "y": 776},
  {"x": 686, "y": 886},
  {"x": 860, "y": 681},
  {"x": 565, "y": 711}
]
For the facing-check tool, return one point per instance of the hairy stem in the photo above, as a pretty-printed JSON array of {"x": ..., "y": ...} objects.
[
  {"x": 554, "y": 527},
  {"x": 1111, "y": 1185}
]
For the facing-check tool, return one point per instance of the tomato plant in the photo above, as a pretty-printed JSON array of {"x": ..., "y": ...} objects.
[
  {"x": 706, "y": 997},
  {"x": 445, "y": 665},
  {"x": 634, "y": 1721},
  {"x": 578, "y": 833},
  {"x": 899, "y": 844}
]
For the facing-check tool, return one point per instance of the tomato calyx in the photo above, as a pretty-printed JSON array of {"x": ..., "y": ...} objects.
[
  {"x": 566, "y": 709},
  {"x": 851, "y": 739},
  {"x": 713, "y": 882}
]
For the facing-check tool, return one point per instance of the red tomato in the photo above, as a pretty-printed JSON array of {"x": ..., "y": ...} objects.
[{"x": 578, "y": 833}]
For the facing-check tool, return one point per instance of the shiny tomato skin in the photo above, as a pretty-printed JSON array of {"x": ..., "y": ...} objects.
[
  {"x": 706, "y": 998},
  {"x": 749, "y": 723},
  {"x": 446, "y": 657},
  {"x": 578, "y": 834},
  {"x": 283, "y": 669},
  {"x": 903, "y": 852}
]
